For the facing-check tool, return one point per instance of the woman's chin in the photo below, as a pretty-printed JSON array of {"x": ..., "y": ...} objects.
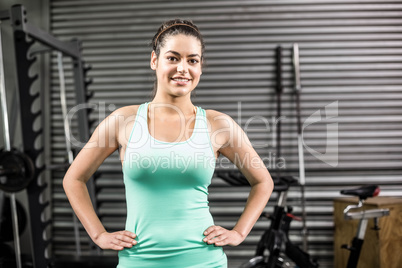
[{"x": 181, "y": 92}]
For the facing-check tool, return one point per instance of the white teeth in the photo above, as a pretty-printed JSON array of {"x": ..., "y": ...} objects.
[{"x": 180, "y": 80}]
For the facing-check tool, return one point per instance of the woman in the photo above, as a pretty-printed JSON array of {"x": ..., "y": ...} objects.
[{"x": 168, "y": 149}]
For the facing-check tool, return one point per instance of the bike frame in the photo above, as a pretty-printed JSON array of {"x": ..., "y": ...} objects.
[
  {"x": 363, "y": 215},
  {"x": 276, "y": 239}
]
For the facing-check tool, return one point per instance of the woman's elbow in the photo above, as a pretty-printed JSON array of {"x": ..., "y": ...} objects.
[
  {"x": 66, "y": 183},
  {"x": 269, "y": 184},
  {"x": 69, "y": 182}
]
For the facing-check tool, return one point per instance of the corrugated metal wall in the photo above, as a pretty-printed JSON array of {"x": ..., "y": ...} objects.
[{"x": 351, "y": 62}]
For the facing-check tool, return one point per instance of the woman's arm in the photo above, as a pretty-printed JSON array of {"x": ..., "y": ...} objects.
[
  {"x": 238, "y": 149},
  {"x": 103, "y": 142}
]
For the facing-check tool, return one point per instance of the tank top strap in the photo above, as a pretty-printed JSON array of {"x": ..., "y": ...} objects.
[
  {"x": 201, "y": 121},
  {"x": 138, "y": 136},
  {"x": 201, "y": 137}
]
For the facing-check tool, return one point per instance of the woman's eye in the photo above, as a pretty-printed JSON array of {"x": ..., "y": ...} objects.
[
  {"x": 193, "y": 61},
  {"x": 172, "y": 59}
]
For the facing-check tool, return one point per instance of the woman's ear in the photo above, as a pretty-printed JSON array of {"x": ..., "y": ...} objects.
[{"x": 154, "y": 59}]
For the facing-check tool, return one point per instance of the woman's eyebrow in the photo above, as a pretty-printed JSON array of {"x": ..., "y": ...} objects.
[
  {"x": 178, "y": 54},
  {"x": 194, "y": 55},
  {"x": 173, "y": 52}
]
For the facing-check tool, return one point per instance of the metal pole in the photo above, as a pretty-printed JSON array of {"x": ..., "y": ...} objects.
[
  {"x": 67, "y": 134},
  {"x": 6, "y": 129},
  {"x": 302, "y": 180},
  {"x": 16, "y": 230},
  {"x": 7, "y": 145},
  {"x": 63, "y": 102},
  {"x": 279, "y": 91}
]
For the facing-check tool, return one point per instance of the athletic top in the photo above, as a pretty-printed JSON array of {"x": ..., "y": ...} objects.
[{"x": 167, "y": 198}]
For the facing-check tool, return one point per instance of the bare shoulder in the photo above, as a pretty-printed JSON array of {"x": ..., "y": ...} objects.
[
  {"x": 126, "y": 111},
  {"x": 122, "y": 120},
  {"x": 218, "y": 120},
  {"x": 221, "y": 127}
]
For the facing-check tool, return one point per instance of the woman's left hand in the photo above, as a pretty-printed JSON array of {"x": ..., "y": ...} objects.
[{"x": 221, "y": 237}]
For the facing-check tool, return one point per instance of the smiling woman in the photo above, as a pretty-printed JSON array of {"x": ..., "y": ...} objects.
[
  {"x": 168, "y": 219},
  {"x": 178, "y": 67},
  {"x": 191, "y": 56}
]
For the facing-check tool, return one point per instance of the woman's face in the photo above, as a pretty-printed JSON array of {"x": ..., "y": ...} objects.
[{"x": 178, "y": 67}]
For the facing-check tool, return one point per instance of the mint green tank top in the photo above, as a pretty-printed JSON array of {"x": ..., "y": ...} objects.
[{"x": 167, "y": 198}]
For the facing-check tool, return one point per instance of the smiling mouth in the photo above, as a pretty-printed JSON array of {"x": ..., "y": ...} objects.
[{"x": 180, "y": 79}]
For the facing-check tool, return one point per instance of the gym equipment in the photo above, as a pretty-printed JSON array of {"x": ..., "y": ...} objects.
[
  {"x": 275, "y": 240},
  {"x": 10, "y": 175},
  {"x": 363, "y": 215},
  {"x": 279, "y": 91},
  {"x": 25, "y": 35},
  {"x": 302, "y": 179},
  {"x": 275, "y": 244},
  {"x": 16, "y": 171}
]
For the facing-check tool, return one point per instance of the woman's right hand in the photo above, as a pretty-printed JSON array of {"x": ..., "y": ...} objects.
[{"x": 117, "y": 240}]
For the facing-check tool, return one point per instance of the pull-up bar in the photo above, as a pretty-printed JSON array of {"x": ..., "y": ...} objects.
[{"x": 17, "y": 15}]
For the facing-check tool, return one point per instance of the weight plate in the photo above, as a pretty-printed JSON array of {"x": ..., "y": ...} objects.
[{"x": 17, "y": 171}]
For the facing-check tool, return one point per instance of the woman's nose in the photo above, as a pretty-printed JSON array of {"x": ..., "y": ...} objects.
[{"x": 181, "y": 68}]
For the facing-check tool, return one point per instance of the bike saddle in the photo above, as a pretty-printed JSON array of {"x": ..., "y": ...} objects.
[
  {"x": 283, "y": 183},
  {"x": 363, "y": 192}
]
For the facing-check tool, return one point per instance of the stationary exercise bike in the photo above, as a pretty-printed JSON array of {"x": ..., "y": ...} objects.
[
  {"x": 275, "y": 244},
  {"x": 363, "y": 215}
]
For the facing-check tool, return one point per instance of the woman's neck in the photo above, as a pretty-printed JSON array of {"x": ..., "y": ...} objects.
[{"x": 173, "y": 107}]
